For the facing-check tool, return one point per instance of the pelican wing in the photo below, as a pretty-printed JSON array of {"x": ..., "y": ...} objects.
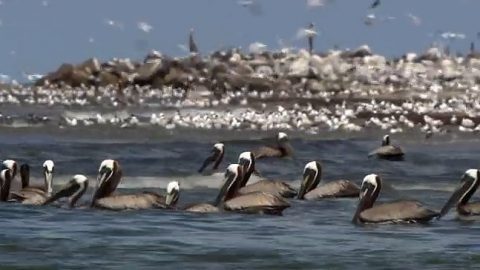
[
  {"x": 400, "y": 211},
  {"x": 131, "y": 201},
  {"x": 340, "y": 188},
  {"x": 28, "y": 197},
  {"x": 266, "y": 151},
  {"x": 278, "y": 188},
  {"x": 27, "y": 193},
  {"x": 472, "y": 209},
  {"x": 257, "y": 202},
  {"x": 36, "y": 188},
  {"x": 202, "y": 208},
  {"x": 387, "y": 150}
]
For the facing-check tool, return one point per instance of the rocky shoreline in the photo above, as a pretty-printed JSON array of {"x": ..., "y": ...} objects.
[{"x": 352, "y": 91}]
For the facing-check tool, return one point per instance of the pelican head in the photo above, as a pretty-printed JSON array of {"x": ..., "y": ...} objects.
[
  {"x": 311, "y": 177},
  {"x": 247, "y": 161},
  {"x": 73, "y": 189},
  {"x": 11, "y": 165},
  {"x": 108, "y": 178},
  {"x": 386, "y": 140},
  {"x": 468, "y": 185},
  {"x": 173, "y": 193},
  {"x": 370, "y": 189},
  {"x": 284, "y": 144},
  {"x": 105, "y": 171},
  {"x": 233, "y": 174},
  {"x": 282, "y": 136},
  {"x": 48, "y": 167},
  {"x": 216, "y": 155}
]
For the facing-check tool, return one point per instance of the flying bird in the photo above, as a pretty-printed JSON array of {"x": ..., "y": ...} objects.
[
  {"x": 375, "y": 4},
  {"x": 144, "y": 26},
  {"x": 253, "y": 6}
]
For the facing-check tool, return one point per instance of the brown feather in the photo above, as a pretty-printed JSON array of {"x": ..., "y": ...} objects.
[
  {"x": 340, "y": 188},
  {"x": 469, "y": 209},
  {"x": 257, "y": 202},
  {"x": 202, "y": 208},
  {"x": 400, "y": 211},
  {"x": 277, "y": 188},
  {"x": 133, "y": 201},
  {"x": 267, "y": 151}
]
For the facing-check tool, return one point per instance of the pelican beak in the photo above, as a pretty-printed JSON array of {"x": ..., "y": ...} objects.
[
  {"x": 226, "y": 188},
  {"x": 66, "y": 191},
  {"x": 103, "y": 175},
  {"x": 466, "y": 183},
  {"x": 48, "y": 181},
  {"x": 308, "y": 178},
  {"x": 172, "y": 198},
  {"x": 365, "y": 194},
  {"x": 245, "y": 164},
  {"x": 214, "y": 154}
]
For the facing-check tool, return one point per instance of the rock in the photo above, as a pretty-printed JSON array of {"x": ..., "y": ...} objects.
[
  {"x": 433, "y": 54},
  {"x": 265, "y": 71},
  {"x": 299, "y": 68},
  {"x": 107, "y": 78},
  {"x": 90, "y": 66},
  {"x": 146, "y": 71},
  {"x": 361, "y": 51}
]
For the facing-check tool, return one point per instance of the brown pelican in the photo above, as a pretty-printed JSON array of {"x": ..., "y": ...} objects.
[
  {"x": 283, "y": 148},
  {"x": 5, "y": 182},
  {"x": 34, "y": 194},
  {"x": 228, "y": 200},
  {"x": 387, "y": 151},
  {"x": 393, "y": 212},
  {"x": 73, "y": 190},
  {"x": 312, "y": 174},
  {"x": 109, "y": 176},
  {"x": 247, "y": 161},
  {"x": 461, "y": 196},
  {"x": 215, "y": 157}
]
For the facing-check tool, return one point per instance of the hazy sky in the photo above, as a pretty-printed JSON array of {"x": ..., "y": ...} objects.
[{"x": 37, "y": 36}]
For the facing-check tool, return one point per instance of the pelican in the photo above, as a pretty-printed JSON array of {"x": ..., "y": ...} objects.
[
  {"x": 387, "y": 151},
  {"x": 392, "y": 212},
  {"x": 247, "y": 161},
  {"x": 228, "y": 198},
  {"x": 461, "y": 196},
  {"x": 312, "y": 174},
  {"x": 283, "y": 148},
  {"x": 35, "y": 195},
  {"x": 215, "y": 157},
  {"x": 73, "y": 190},
  {"x": 5, "y": 182},
  {"x": 109, "y": 176}
]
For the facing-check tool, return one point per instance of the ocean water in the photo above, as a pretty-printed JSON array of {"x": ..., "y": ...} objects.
[{"x": 309, "y": 235}]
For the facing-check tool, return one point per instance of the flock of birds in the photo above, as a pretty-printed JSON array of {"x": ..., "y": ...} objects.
[{"x": 236, "y": 195}]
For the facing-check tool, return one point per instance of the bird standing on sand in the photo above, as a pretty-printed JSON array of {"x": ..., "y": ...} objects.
[
  {"x": 310, "y": 33},
  {"x": 192, "y": 46}
]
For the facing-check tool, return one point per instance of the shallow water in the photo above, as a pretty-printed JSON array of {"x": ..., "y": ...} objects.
[{"x": 310, "y": 235}]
